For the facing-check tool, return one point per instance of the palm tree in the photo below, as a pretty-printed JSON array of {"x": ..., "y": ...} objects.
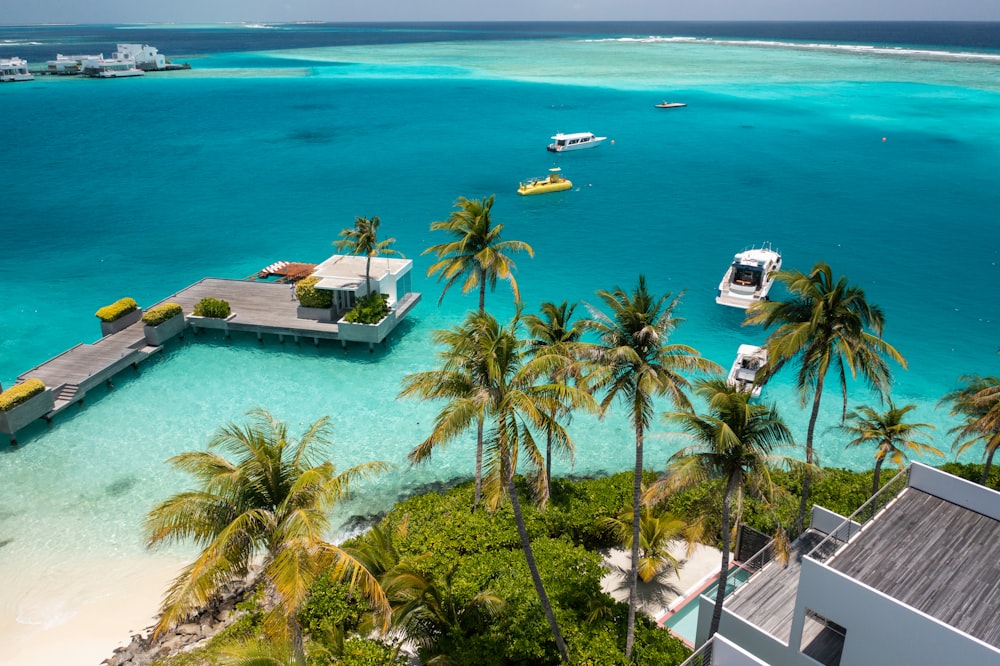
[
  {"x": 265, "y": 495},
  {"x": 552, "y": 333},
  {"x": 735, "y": 443},
  {"x": 978, "y": 403},
  {"x": 634, "y": 363},
  {"x": 363, "y": 240},
  {"x": 476, "y": 252},
  {"x": 824, "y": 324},
  {"x": 657, "y": 531},
  {"x": 497, "y": 382},
  {"x": 892, "y": 436}
]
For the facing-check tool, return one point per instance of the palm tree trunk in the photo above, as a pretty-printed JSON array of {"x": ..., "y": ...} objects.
[
  {"x": 297, "y": 646},
  {"x": 368, "y": 274},
  {"x": 720, "y": 593},
  {"x": 634, "y": 568},
  {"x": 529, "y": 557},
  {"x": 800, "y": 520},
  {"x": 878, "y": 471},
  {"x": 477, "y": 498},
  {"x": 989, "y": 463},
  {"x": 548, "y": 462},
  {"x": 482, "y": 290}
]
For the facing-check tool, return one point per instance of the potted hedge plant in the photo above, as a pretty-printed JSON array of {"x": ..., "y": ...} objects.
[
  {"x": 370, "y": 320},
  {"x": 23, "y": 403},
  {"x": 119, "y": 315},
  {"x": 211, "y": 313},
  {"x": 163, "y": 322},
  {"x": 313, "y": 303}
]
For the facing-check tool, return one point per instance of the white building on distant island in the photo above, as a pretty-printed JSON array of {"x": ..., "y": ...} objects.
[{"x": 145, "y": 57}]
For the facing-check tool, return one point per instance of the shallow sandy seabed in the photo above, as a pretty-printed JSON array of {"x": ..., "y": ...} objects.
[{"x": 80, "y": 615}]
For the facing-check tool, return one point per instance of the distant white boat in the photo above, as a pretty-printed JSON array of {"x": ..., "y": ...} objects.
[
  {"x": 121, "y": 65},
  {"x": 576, "y": 141},
  {"x": 749, "y": 278},
  {"x": 14, "y": 69},
  {"x": 743, "y": 375}
]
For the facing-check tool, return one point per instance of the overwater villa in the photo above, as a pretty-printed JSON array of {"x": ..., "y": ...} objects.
[{"x": 910, "y": 578}]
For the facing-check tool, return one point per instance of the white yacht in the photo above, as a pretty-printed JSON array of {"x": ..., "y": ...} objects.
[
  {"x": 749, "y": 278},
  {"x": 14, "y": 69},
  {"x": 743, "y": 375},
  {"x": 110, "y": 68},
  {"x": 562, "y": 142}
]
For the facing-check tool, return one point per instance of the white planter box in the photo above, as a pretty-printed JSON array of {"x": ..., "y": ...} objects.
[
  {"x": 370, "y": 333},
  {"x": 109, "y": 327},
  {"x": 157, "y": 335},
  {"x": 35, "y": 407},
  {"x": 317, "y": 314},
  {"x": 198, "y": 321}
]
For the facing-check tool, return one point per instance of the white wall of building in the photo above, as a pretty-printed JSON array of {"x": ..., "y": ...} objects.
[{"x": 880, "y": 630}]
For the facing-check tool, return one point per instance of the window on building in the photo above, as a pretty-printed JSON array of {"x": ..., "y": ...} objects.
[{"x": 822, "y": 639}]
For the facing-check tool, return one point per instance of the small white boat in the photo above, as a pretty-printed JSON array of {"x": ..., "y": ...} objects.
[
  {"x": 563, "y": 142},
  {"x": 121, "y": 65},
  {"x": 749, "y": 278},
  {"x": 743, "y": 375},
  {"x": 669, "y": 105},
  {"x": 14, "y": 69}
]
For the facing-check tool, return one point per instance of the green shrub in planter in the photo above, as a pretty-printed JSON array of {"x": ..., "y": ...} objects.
[
  {"x": 371, "y": 309},
  {"x": 215, "y": 308},
  {"x": 19, "y": 393},
  {"x": 117, "y": 310},
  {"x": 157, "y": 315},
  {"x": 311, "y": 297}
]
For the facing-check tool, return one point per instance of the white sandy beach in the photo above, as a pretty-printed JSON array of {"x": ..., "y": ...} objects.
[
  {"x": 80, "y": 612},
  {"x": 658, "y": 594}
]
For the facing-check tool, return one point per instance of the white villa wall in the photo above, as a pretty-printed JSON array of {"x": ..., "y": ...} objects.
[
  {"x": 726, "y": 653},
  {"x": 755, "y": 641},
  {"x": 955, "y": 490},
  {"x": 880, "y": 630}
]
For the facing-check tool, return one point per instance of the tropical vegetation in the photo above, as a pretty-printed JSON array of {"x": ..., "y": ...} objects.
[
  {"x": 311, "y": 297},
  {"x": 370, "y": 309},
  {"x": 260, "y": 510},
  {"x": 117, "y": 310},
  {"x": 215, "y": 308},
  {"x": 634, "y": 363},
  {"x": 894, "y": 438},
  {"x": 476, "y": 255},
  {"x": 977, "y": 403},
  {"x": 735, "y": 441},
  {"x": 825, "y": 323},
  {"x": 20, "y": 393},
  {"x": 362, "y": 239},
  {"x": 158, "y": 314}
]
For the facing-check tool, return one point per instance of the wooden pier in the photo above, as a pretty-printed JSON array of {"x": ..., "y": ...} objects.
[{"x": 260, "y": 308}]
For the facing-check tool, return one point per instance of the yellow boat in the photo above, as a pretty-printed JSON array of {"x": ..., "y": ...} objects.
[{"x": 553, "y": 183}]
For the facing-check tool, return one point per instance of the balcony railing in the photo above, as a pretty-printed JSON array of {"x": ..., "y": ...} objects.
[
  {"x": 854, "y": 523},
  {"x": 702, "y": 656}
]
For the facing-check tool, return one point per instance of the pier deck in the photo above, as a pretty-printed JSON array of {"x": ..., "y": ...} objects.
[{"x": 258, "y": 307}]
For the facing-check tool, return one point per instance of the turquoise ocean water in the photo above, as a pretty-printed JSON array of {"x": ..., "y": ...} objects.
[{"x": 882, "y": 162}]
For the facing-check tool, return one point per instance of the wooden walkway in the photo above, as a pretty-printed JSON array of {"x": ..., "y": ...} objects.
[{"x": 258, "y": 307}]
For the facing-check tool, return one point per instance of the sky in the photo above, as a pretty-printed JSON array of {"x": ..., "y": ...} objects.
[{"x": 27, "y": 12}]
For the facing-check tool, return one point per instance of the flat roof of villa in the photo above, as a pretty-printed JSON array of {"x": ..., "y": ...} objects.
[{"x": 935, "y": 556}]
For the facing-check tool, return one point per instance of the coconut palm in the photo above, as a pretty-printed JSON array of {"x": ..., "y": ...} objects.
[
  {"x": 825, "y": 324},
  {"x": 264, "y": 497},
  {"x": 363, "y": 240},
  {"x": 657, "y": 531},
  {"x": 476, "y": 254},
  {"x": 633, "y": 362},
  {"x": 978, "y": 403},
  {"x": 736, "y": 440},
  {"x": 552, "y": 333},
  {"x": 496, "y": 381},
  {"x": 892, "y": 436}
]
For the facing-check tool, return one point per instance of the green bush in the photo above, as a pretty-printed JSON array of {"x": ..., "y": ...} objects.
[
  {"x": 212, "y": 307},
  {"x": 157, "y": 315},
  {"x": 117, "y": 310},
  {"x": 311, "y": 297},
  {"x": 370, "y": 309},
  {"x": 19, "y": 393}
]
